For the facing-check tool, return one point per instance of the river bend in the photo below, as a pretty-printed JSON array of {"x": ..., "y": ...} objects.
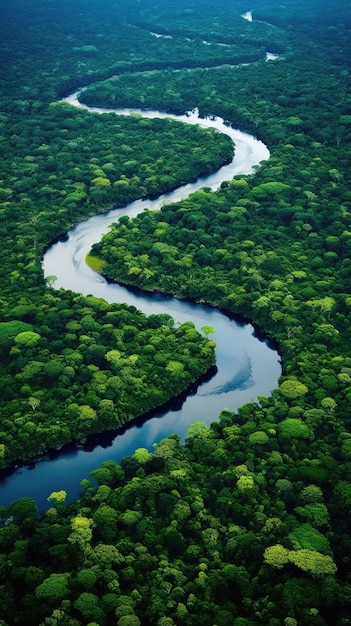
[{"x": 246, "y": 365}]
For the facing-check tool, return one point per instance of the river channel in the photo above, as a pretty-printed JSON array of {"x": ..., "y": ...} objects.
[{"x": 247, "y": 365}]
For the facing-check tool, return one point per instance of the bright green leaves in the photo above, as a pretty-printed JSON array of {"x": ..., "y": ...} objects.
[
  {"x": 27, "y": 339},
  {"x": 265, "y": 191},
  {"x": 293, "y": 428},
  {"x": 10, "y": 330},
  {"x": 57, "y": 496},
  {"x": 277, "y": 556},
  {"x": 313, "y": 562},
  {"x": 208, "y": 330},
  {"x": 292, "y": 389},
  {"x": 245, "y": 484},
  {"x": 142, "y": 455},
  {"x": 81, "y": 531},
  {"x": 259, "y": 437},
  {"x": 310, "y": 561}
]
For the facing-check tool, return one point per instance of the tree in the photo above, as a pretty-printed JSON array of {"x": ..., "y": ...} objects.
[
  {"x": 33, "y": 402},
  {"x": 131, "y": 518},
  {"x": 265, "y": 191},
  {"x": 311, "y": 494},
  {"x": 198, "y": 429},
  {"x": 27, "y": 339},
  {"x": 88, "y": 605},
  {"x": 292, "y": 389},
  {"x": 22, "y": 509},
  {"x": 81, "y": 531},
  {"x": 316, "y": 514},
  {"x": 277, "y": 556},
  {"x": 313, "y": 562},
  {"x": 259, "y": 437},
  {"x": 293, "y": 428},
  {"x": 305, "y": 536},
  {"x": 245, "y": 484},
  {"x": 54, "y": 588},
  {"x": 142, "y": 456},
  {"x": 57, "y": 496},
  {"x": 86, "y": 578},
  {"x": 208, "y": 330},
  {"x": 129, "y": 620}
]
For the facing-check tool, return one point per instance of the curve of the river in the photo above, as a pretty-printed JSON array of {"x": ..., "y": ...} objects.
[{"x": 247, "y": 366}]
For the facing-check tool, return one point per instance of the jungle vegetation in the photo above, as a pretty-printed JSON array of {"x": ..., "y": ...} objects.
[{"x": 247, "y": 523}]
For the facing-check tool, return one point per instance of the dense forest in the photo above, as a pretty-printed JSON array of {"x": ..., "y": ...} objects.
[{"x": 247, "y": 522}]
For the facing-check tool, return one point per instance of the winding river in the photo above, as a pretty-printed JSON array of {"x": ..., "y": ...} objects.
[{"x": 247, "y": 366}]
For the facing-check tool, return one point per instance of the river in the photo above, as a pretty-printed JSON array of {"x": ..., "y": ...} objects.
[{"x": 247, "y": 366}]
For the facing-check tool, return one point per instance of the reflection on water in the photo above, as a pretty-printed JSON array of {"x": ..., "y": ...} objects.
[{"x": 241, "y": 380}]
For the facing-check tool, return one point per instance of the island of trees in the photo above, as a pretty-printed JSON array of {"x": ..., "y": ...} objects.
[{"x": 247, "y": 523}]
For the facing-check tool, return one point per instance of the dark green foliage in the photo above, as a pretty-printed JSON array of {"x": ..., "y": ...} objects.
[
  {"x": 247, "y": 524},
  {"x": 95, "y": 376},
  {"x": 9, "y": 330}
]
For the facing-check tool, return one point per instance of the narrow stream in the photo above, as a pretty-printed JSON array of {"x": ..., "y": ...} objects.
[{"x": 247, "y": 365}]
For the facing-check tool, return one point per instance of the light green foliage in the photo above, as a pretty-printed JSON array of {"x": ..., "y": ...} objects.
[
  {"x": 34, "y": 403},
  {"x": 277, "y": 556},
  {"x": 86, "y": 412},
  {"x": 198, "y": 429},
  {"x": 311, "y": 494},
  {"x": 259, "y": 437},
  {"x": 9, "y": 330},
  {"x": 208, "y": 330},
  {"x": 245, "y": 483},
  {"x": 142, "y": 455},
  {"x": 328, "y": 404},
  {"x": 175, "y": 367},
  {"x": 107, "y": 556},
  {"x": 101, "y": 182},
  {"x": 313, "y": 562},
  {"x": 179, "y": 473},
  {"x": 26, "y": 339},
  {"x": 309, "y": 561},
  {"x": 57, "y": 496},
  {"x": 325, "y": 305},
  {"x": 267, "y": 190},
  {"x": 293, "y": 428},
  {"x": 271, "y": 524},
  {"x": 81, "y": 531},
  {"x": 95, "y": 263},
  {"x": 293, "y": 389}
]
